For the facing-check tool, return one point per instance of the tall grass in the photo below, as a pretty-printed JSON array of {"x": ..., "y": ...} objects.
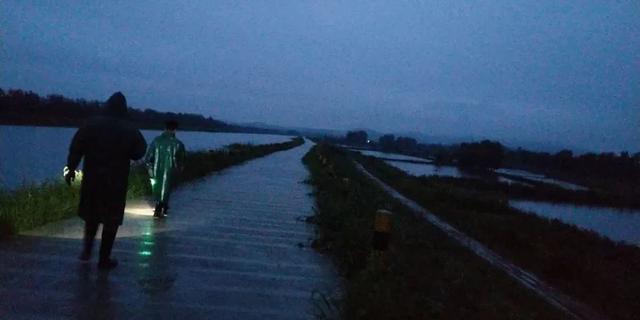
[
  {"x": 595, "y": 270},
  {"x": 424, "y": 275},
  {"x": 35, "y": 205}
]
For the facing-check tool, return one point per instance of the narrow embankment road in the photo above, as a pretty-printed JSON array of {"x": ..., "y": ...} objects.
[
  {"x": 570, "y": 306},
  {"x": 233, "y": 247}
]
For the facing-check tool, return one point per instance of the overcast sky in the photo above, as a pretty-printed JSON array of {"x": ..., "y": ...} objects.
[{"x": 559, "y": 72}]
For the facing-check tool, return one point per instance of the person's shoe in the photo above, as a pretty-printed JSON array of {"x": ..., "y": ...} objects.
[
  {"x": 157, "y": 211},
  {"x": 107, "y": 264}
]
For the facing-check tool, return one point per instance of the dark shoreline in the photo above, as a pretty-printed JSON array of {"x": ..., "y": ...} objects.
[{"x": 155, "y": 127}]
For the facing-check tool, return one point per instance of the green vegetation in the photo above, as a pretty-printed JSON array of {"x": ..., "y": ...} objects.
[
  {"x": 36, "y": 205},
  {"x": 33, "y": 206},
  {"x": 595, "y": 270},
  {"x": 424, "y": 274}
]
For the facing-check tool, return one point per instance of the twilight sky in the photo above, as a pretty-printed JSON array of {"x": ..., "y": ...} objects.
[{"x": 554, "y": 72}]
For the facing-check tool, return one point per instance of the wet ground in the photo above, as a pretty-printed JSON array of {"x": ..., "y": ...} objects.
[{"x": 233, "y": 247}]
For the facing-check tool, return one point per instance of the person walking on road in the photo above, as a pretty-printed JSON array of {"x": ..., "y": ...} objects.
[
  {"x": 107, "y": 143},
  {"x": 164, "y": 159}
]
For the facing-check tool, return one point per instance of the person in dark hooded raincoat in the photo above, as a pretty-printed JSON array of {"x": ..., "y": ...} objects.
[
  {"x": 107, "y": 143},
  {"x": 165, "y": 158}
]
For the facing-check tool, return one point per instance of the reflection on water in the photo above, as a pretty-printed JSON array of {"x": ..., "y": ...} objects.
[
  {"x": 34, "y": 154},
  {"x": 615, "y": 224},
  {"x": 541, "y": 178},
  {"x": 511, "y": 181},
  {"x": 418, "y": 169},
  {"x": 379, "y": 154}
]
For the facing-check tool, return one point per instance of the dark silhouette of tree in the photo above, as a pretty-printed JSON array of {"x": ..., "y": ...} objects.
[
  {"x": 485, "y": 154},
  {"x": 406, "y": 145},
  {"x": 20, "y": 107},
  {"x": 387, "y": 142},
  {"x": 359, "y": 137},
  {"x": 563, "y": 159}
]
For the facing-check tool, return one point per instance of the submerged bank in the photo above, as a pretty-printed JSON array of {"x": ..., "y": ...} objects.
[{"x": 35, "y": 205}]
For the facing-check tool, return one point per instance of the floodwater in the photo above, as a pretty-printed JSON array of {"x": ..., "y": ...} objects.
[
  {"x": 386, "y": 155},
  {"x": 34, "y": 154},
  {"x": 615, "y": 224},
  {"x": 418, "y": 169},
  {"x": 541, "y": 178}
]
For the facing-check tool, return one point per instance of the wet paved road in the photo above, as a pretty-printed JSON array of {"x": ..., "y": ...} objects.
[{"x": 231, "y": 249}]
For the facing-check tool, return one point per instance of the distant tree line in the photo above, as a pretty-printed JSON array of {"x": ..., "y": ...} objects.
[
  {"x": 617, "y": 172},
  {"x": 485, "y": 154},
  {"x": 18, "y": 107}
]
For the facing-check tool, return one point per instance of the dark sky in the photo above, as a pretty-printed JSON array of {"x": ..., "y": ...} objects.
[{"x": 556, "y": 72}]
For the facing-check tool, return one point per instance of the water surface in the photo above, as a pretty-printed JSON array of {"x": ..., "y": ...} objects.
[
  {"x": 34, "y": 154},
  {"x": 615, "y": 224},
  {"x": 387, "y": 155},
  {"x": 541, "y": 178},
  {"x": 418, "y": 169}
]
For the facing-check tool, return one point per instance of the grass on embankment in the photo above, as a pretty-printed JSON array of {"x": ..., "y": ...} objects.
[
  {"x": 595, "y": 270},
  {"x": 33, "y": 206},
  {"x": 425, "y": 274},
  {"x": 36, "y": 205}
]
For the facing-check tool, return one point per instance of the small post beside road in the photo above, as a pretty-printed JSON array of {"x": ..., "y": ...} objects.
[{"x": 382, "y": 230}]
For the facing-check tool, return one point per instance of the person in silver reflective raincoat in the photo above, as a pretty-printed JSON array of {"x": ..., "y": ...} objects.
[{"x": 164, "y": 160}]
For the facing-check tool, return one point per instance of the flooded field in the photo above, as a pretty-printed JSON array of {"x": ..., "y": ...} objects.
[
  {"x": 386, "y": 155},
  {"x": 418, "y": 169},
  {"x": 540, "y": 178},
  {"x": 615, "y": 224}
]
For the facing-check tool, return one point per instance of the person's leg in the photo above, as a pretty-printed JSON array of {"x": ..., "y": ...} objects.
[
  {"x": 157, "y": 212},
  {"x": 90, "y": 230},
  {"x": 165, "y": 200},
  {"x": 165, "y": 207},
  {"x": 108, "y": 237}
]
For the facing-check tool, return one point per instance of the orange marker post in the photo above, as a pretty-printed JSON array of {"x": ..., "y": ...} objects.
[{"x": 382, "y": 230}]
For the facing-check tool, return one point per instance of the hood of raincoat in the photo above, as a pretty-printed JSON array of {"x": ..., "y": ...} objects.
[{"x": 116, "y": 105}]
